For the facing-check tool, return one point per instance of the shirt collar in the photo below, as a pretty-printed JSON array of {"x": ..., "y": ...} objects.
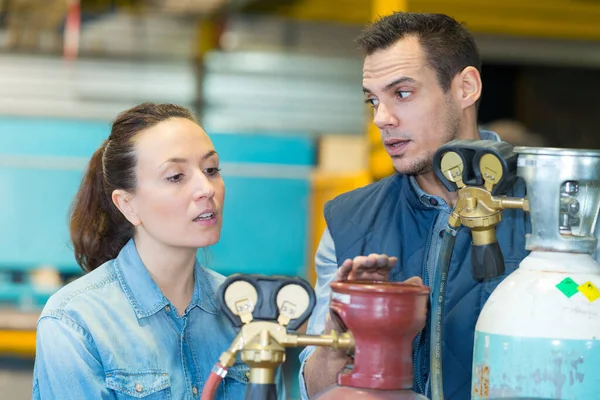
[
  {"x": 143, "y": 293},
  {"x": 435, "y": 201}
]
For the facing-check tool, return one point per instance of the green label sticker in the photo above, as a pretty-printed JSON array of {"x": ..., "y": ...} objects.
[{"x": 568, "y": 287}]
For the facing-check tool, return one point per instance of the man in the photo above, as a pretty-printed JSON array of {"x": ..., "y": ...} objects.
[{"x": 422, "y": 77}]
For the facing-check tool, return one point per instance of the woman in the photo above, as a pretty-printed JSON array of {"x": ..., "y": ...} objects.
[{"x": 143, "y": 323}]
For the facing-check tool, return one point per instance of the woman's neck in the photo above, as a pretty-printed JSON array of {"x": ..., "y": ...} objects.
[{"x": 171, "y": 268}]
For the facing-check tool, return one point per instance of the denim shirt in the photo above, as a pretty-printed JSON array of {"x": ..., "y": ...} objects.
[
  {"x": 112, "y": 334},
  {"x": 326, "y": 264}
]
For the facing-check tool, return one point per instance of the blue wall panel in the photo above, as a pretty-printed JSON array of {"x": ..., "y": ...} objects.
[{"x": 265, "y": 219}]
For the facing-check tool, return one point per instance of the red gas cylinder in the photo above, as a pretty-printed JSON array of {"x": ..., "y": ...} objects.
[{"x": 384, "y": 318}]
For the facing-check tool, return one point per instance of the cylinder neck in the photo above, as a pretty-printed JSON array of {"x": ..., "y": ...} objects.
[
  {"x": 563, "y": 190},
  {"x": 377, "y": 361}
]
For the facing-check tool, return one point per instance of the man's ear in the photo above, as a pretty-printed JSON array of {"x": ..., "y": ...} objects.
[
  {"x": 122, "y": 199},
  {"x": 468, "y": 83}
]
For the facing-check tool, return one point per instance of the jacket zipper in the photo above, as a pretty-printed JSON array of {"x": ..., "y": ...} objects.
[{"x": 417, "y": 353}]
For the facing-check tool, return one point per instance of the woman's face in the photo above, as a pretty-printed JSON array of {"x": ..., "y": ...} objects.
[{"x": 179, "y": 194}]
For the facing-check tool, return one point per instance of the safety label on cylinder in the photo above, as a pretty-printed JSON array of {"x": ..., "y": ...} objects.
[
  {"x": 568, "y": 287},
  {"x": 590, "y": 291}
]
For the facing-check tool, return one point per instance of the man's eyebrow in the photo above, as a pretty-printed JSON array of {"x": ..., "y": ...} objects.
[{"x": 391, "y": 85}]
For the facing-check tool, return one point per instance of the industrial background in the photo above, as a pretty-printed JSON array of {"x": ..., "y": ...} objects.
[{"x": 276, "y": 83}]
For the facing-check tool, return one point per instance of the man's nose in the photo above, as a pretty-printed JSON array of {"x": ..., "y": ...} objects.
[{"x": 384, "y": 117}]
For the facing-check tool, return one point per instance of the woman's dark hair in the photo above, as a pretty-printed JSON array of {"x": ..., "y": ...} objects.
[
  {"x": 448, "y": 45},
  {"x": 97, "y": 227}
]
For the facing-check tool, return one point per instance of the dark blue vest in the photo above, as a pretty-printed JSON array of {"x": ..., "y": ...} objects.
[{"x": 387, "y": 218}]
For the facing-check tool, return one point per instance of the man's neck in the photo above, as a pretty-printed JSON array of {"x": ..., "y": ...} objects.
[{"x": 430, "y": 184}]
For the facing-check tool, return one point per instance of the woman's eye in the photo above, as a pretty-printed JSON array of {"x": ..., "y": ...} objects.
[
  {"x": 212, "y": 171},
  {"x": 175, "y": 178}
]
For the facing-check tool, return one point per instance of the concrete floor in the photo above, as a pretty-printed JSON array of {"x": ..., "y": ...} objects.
[{"x": 15, "y": 379}]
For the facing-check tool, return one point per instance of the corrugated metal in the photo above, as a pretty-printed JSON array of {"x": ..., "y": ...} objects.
[
  {"x": 270, "y": 92},
  {"x": 267, "y": 33},
  {"x": 271, "y": 33},
  {"x": 38, "y": 86}
]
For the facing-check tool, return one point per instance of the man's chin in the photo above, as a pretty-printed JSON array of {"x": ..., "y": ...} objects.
[{"x": 412, "y": 167}]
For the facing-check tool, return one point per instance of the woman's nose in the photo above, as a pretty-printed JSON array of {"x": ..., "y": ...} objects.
[{"x": 203, "y": 187}]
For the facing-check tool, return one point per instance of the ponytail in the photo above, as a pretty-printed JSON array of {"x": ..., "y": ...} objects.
[{"x": 98, "y": 229}]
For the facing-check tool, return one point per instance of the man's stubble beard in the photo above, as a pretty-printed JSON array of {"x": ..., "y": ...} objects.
[{"x": 423, "y": 165}]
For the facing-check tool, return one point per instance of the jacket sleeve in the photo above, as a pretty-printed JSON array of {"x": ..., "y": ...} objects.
[
  {"x": 326, "y": 267},
  {"x": 66, "y": 362}
]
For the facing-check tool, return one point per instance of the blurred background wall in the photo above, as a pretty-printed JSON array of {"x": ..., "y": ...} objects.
[{"x": 276, "y": 83}]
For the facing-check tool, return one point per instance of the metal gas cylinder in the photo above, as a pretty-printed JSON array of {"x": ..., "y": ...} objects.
[
  {"x": 538, "y": 335},
  {"x": 384, "y": 318}
]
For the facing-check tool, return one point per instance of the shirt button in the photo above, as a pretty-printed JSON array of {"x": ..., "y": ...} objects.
[
  {"x": 195, "y": 390},
  {"x": 433, "y": 201},
  {"x": 138, "y": 388},
  {"x": 442, "y": 233},
  {"x": 168, "y": 308}
]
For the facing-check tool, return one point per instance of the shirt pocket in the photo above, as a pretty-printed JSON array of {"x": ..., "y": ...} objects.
[
  {"x": 235, "y": 383},
  {"x": 148, "y": 385}
]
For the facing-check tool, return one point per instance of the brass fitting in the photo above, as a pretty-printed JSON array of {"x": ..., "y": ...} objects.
[
  {"x": 476, "y": 208},
  {"x": 262, "y": 346}
]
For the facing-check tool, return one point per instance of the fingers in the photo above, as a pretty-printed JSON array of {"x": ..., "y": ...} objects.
[
  {"x": 375, "y": 260},
  {"x": 371, "y": 267},
  {"x": 415, "y": 280},
  {"x": 382, "y": 260},
  {"x": 392, "y": 262},
  {"x": 344, "y": 270}
]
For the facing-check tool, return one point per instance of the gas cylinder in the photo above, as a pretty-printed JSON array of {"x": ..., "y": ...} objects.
[
  {"x": 384, "y": 318},
  {"x": 538, "y": 335}
]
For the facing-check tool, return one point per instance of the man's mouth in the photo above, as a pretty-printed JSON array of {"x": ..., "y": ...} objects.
[
  {"x": 394, "y": 142},
  {"x": 395, "y": 146}
]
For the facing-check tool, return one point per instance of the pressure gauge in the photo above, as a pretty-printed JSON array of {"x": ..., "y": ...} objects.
[{"x": 287, "y": 300}]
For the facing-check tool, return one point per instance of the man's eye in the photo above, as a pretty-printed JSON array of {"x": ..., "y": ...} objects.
[
  {"x": 372, "y": 102},
  {"x": 403, "y": 94}
]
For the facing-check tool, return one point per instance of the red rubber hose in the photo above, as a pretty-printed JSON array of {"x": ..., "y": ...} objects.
[{"x": 214, "y": 380}]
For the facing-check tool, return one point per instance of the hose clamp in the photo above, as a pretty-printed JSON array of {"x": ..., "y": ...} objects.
[{"x": 219, "y": 370}]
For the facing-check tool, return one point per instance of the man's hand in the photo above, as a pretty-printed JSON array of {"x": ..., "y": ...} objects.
[{"x": 374, "y": 267}]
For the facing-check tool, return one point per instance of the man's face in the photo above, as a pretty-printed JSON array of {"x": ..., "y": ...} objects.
[{"x": 414, "y": 115}]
